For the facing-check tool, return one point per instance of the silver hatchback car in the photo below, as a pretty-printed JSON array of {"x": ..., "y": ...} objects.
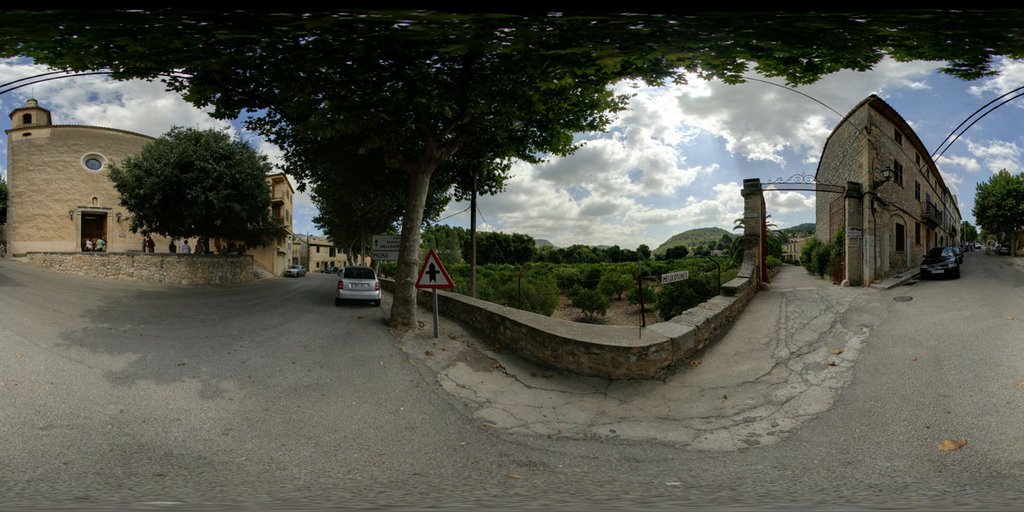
[{"x": 358, "y": 283}]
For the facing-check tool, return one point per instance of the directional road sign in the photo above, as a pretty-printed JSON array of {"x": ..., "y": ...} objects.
[
  {"x": 385, "y": 247},
  {"x": 433, "y": 275}
]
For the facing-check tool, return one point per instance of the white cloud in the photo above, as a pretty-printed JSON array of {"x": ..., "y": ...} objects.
[
  {"x": 135, "y": 105},
  {"x": 759, "y": 121},
  {"x": 996, "y": 154},
  {"x": 788, "y": 202},
  {"x": 968, "y": 164},
  {"x": 1010, "y": 76}
]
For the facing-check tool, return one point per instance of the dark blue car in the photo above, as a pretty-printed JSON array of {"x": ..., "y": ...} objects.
[{"x": 940, "y": 261}]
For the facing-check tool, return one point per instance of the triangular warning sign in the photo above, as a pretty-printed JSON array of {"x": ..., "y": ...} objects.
[{"x": 433, "y": 274}]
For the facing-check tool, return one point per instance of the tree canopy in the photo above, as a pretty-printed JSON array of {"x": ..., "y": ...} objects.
[
  {"x": 192, "y": 182},
  {"x": 417, "y": 88},
  {"x": 999, "y": 204}
]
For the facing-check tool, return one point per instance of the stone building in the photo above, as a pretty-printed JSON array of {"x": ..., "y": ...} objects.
[
  {"x": 896, "y": 205},
  {"x": 274, "y": 257},
  {"x": 60, "y": 195}
]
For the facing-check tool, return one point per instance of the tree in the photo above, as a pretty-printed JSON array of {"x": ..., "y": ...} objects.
[
  {"x": 614, "y": 283},
  {"x": 968, "y": 232},
  {"x": 192, "y": 182},
  {"x": 417, "y": 87},
  {"x": 677, "y": 252},
  {"x": 644, "y": 252},
  {"x": 590, "y": 302},
  {"x": 999, "y": 205}
]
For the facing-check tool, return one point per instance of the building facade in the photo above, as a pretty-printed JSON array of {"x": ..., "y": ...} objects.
[
  {"x": 274, "y": 257},
  {"x": 61, "y": 198},
  {"x": 896, "y": 205}
]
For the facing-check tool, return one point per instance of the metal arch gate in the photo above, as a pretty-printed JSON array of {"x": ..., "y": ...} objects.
[{"x": 806, "y": 183}]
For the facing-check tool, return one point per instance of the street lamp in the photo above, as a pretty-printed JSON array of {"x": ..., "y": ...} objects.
[{"x": 887, "y": 175}]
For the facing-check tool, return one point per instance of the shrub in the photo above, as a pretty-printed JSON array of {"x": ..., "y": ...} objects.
[
  {"x": 590, "y": 302},
  {"x": 650, "y": 295},
  {"x": 807, "y": 254},
  {"x": 674, "y": 298},
  {"x": 613, "y": 283},
  {"x": 567, "y": 277},
  {"x": 773, "y": 262}
]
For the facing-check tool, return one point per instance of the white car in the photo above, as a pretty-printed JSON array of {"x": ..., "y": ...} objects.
[
  {"x": 295, "y": 271},
  {"x": 359, "y": 284}
]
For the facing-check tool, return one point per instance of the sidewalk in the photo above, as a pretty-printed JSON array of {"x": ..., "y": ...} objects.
[{"x": 783, "y": 362}]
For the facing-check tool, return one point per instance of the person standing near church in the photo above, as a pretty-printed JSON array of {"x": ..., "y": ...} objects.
[
  {"x": 171, "y": 247},
  {"x": 150, "y": 244},
  {"x": 185, "y": 249}
]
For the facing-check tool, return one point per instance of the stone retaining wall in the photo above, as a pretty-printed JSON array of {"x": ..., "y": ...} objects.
[
  {"x": 175, "y": 269},
  {"x": 612, "y": 352}
]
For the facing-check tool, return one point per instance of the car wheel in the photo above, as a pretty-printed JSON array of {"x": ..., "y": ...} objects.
[
  {"x": 376, "y": 303},
  {"x": 337, "y": 301},
  {"x": 957, "y": 273}
]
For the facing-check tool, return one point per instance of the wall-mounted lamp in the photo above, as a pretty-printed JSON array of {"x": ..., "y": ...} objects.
[
  {"x": 887, "y": 175},
  {"x": 71, "y": 214},
  {"x": 118, "y": 216}
]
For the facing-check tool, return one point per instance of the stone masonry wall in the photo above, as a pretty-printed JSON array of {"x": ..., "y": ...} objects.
[
  {"x": 612, "y": 352},
  {"x": 174, "y": 269}
]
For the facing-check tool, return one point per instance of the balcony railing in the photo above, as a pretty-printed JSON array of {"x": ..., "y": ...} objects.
[{"x": 931, "y": 215}]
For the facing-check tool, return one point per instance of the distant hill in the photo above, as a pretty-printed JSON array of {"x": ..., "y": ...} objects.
[
  {"x": 693, "y": 238},
  {"x": 807, "y": 227}
]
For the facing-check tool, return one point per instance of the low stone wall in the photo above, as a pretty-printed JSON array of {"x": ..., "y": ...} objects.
[
  {"x": 612, "y": 352},
  {"x": 175, "y": 269}
]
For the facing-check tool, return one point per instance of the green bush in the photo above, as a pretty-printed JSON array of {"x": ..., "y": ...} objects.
[
  {"x": 650, "y": 295},
  {"x": 807, "y": 254},
  {"x": 773, "y": 262},
  {"x": 567, "y": 277},
  {"x": 613, "y": 283},
  {"x": 590, "y": 302},
  {"x": 674, "y": 298},
  {"x": 821, "y": 255}
]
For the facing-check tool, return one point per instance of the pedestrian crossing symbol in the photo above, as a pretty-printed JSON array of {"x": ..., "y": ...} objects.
[{"x": 433, "y": 274}]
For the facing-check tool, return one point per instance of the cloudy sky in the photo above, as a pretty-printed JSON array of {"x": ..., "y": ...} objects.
[{"x": 674, "y": 161}]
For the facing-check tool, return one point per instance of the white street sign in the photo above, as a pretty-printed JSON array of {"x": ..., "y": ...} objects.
[
  {"x": 675, "y": 276},
  {"x": 385, "y": 247}
]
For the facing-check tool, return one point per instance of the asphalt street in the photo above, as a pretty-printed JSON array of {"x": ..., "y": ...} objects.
[{"x": 115, "y": 395}]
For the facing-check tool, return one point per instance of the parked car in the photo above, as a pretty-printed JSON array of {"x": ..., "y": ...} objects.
[
  {"x": 358, "y": 284},
  {"x": 331, "y": 270},
  {"x": 1003, "y": 250},
  {"x": 940, "y": 261},
  {"x": 295, "y": 271},
  {"x": 959, "y": 254}
]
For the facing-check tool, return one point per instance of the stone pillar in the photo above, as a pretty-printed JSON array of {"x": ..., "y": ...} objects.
[
  {"x": 853, "y": 251},
  {"x": 753, "y": 229}
]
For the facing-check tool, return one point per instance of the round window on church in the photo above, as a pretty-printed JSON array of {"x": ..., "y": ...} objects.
[{"x": 93, "y": 162}]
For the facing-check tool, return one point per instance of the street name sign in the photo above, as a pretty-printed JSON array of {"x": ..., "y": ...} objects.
[
  {"x": 433, "y": 275},
  {"x": 672, "y": 277},
  {"x": 385, "y": 247}
]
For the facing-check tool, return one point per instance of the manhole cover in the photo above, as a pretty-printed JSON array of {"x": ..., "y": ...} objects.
[{"x": 903, "y": 298}]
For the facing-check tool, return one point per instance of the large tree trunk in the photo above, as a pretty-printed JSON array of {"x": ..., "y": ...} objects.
[{"x": 403, "y": 310}]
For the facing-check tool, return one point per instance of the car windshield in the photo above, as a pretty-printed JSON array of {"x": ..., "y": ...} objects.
[
  {"x": 938, "y": 252},
  {"x": 359, "y": 273}
]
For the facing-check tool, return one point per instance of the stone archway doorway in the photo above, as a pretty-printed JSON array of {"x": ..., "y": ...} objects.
[{"x": 838, "y": 213}]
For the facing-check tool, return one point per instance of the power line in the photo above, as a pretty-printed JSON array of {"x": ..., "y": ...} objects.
[
  {"x": 939, "y": 155},
  {"x": 812, "y": 98}
]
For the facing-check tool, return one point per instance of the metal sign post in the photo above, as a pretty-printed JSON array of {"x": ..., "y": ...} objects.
[{"x": 434, "y": 276}]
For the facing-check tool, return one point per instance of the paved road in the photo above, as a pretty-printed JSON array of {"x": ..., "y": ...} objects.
[{"x": 115, "y": 394}]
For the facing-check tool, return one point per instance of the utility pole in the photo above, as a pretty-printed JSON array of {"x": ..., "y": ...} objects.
[{"x": 472, "y": 241}]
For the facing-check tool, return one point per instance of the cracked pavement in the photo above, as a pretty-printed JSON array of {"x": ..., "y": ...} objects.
[{"x": 786, "y": 360}]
